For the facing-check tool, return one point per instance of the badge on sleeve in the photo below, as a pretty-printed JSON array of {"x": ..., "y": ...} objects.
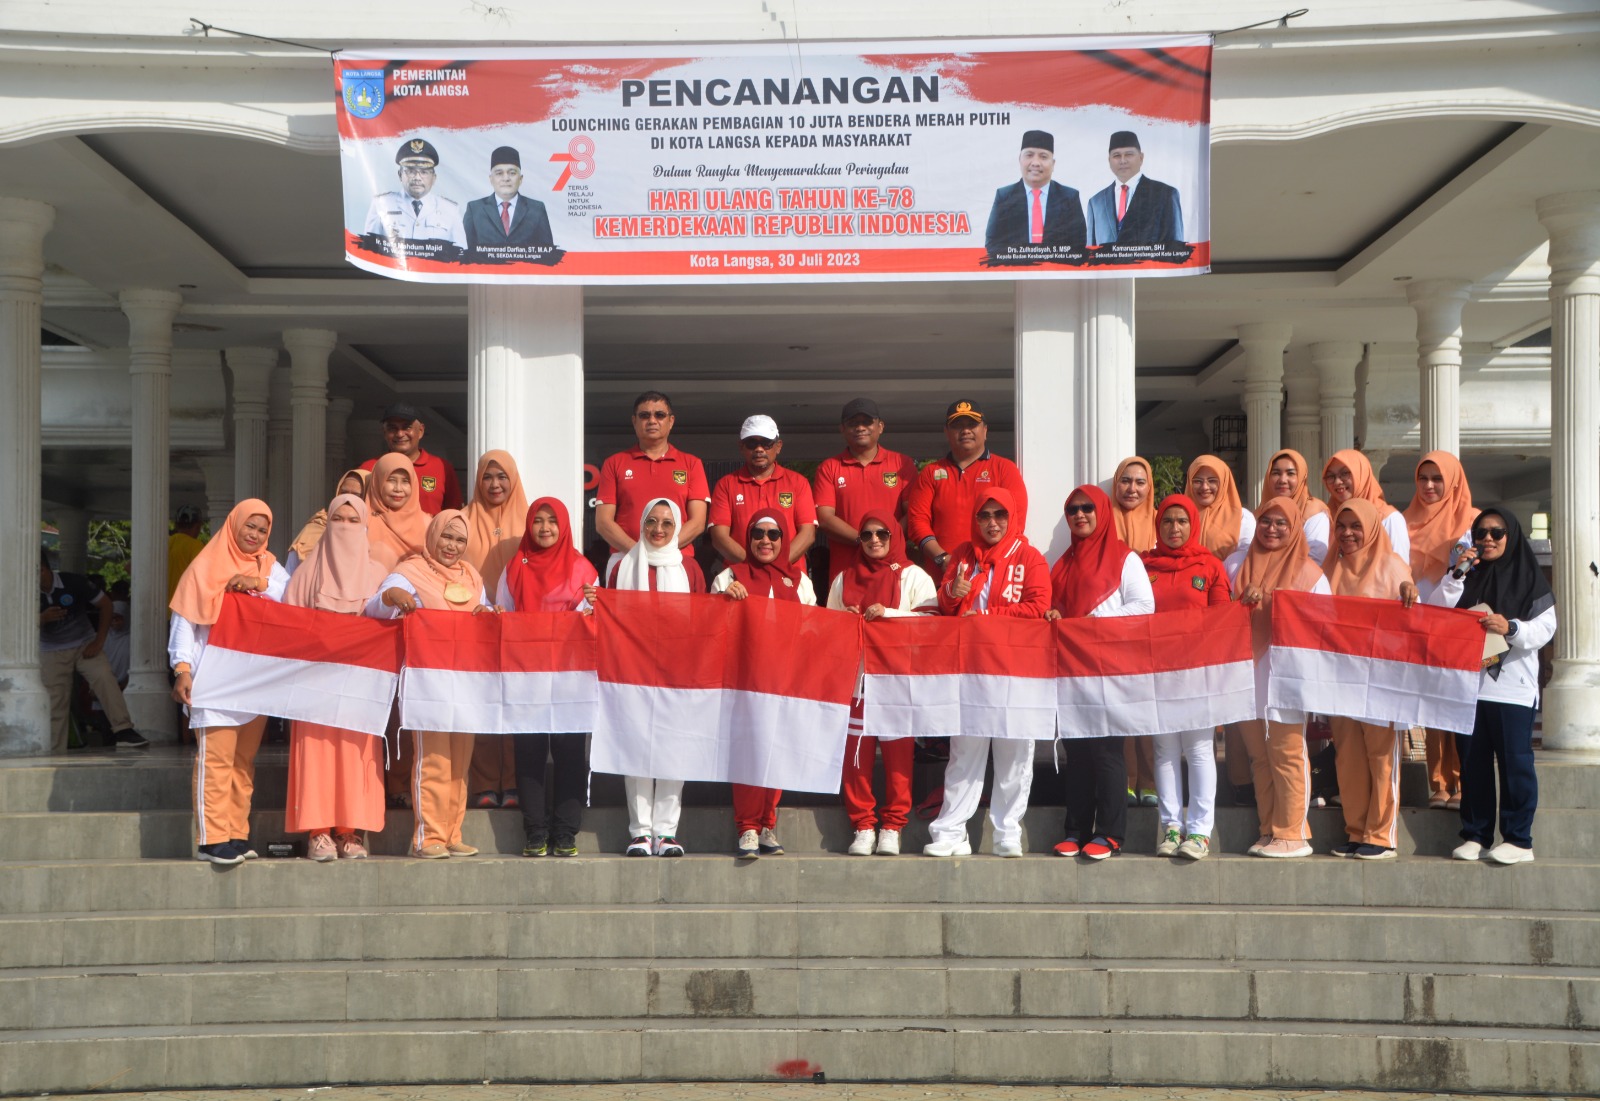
[
  {"x": 786, "y": 500},
  {"x": 681, "y": 477}
]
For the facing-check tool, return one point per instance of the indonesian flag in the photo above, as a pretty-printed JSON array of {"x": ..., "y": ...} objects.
[
  {"x": 516, "y": 673},
  {"x": 1375, "y": 660},
  {"x": 266, "y": 658},
  {"x": 936, "y": 676},
  {"x": 750, "y": 691},
  {"x": 1155, "y": 674}
]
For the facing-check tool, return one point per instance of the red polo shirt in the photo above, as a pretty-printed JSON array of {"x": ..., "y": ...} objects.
[
  {"x": 944, "y": 498},
  {"x": 739, "y": 499},
  {"x": 853, "y": 489},
  {"x": 440, "y": 489},
  {"x": 631, "y": 479}
]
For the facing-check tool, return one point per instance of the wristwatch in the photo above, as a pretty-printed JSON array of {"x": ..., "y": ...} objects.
[
  {"x": 940, "y": 559},
  {"x": 1511, "y": 629}
]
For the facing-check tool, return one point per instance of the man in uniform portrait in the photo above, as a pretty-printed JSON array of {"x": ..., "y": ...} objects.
[
  {"x": 1133, "y": 210},
  {"x": 414, "y": 221},
  {"x": 507, "y": 226},
  {"x": 1035, "y": 217}
]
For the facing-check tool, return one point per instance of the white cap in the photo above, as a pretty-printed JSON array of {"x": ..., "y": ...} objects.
[{"x": 759, "y": 425}]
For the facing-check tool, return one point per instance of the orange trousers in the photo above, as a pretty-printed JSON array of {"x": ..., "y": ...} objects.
[
  {"x": 439, "y": 786},
  {"x": 1140, "y": 755},
  {"x": 1368, "y": 765},
  {"x": 494, "y": 767},
  {"x": 1444, "y": 765},
  {"x": 1280, "y": 768},
  {"x": 224, "y": 780}
]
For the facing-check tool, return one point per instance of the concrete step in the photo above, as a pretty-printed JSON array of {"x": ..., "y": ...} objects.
[
  {"x": 107, "y": 887},
  {"x": 1283, "y": 1053},
  {"x": 935, "y": 989}
]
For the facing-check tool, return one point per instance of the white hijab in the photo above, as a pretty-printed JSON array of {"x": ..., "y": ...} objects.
[{"x": 633, "y": 572}]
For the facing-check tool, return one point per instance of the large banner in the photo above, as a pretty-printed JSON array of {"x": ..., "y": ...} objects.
[{"x": 990, "y": 159}]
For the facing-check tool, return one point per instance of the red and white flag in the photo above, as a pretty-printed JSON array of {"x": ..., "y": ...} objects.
[
  {"x": 1155, "y": 674},
  {"x": 937, "y": 676},
  {"x": 266, "y": 658},
  {"x": 1375, "y": 660},
  {"x": 706, "y": 688},
  {"x": 516, "y": 673}
]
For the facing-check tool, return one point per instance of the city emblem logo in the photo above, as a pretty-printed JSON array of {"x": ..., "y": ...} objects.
[
  {"x": 963, "y": 409},
  {"x": 681, "y": 477},
  {"x": 891, "y": 478},
  {"x": 941, "y": 474},
  {"x": 429, "y": 484},
  {"x": 786, "y": 500},
  {"x": 363, "y": 92},
  {"x": 1198, "y": 582}
]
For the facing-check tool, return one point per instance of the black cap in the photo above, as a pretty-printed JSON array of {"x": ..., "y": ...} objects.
[
  {"x": 1038, "y": 139},
  {"x": 505, "y": 155},
  {"x": 399, "y": 411},
  {"x": 963, "y": 408},
  {"x": 860, "y": 407},
  {"x": 1125, "y": 139},
  {"x": 416, "y": 149},
  {"x": 186, "y": 514}
]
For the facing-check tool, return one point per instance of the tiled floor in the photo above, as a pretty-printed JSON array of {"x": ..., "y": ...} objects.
[{"x": 776, "y": 1091}]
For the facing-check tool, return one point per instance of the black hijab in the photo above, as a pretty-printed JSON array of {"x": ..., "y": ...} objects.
[{"x": 1513, "y": 584}]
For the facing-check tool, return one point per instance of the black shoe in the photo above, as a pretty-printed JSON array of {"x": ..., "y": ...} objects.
[
  {"x": 129, "y": 739},
  {"x": 245, "y": 851},
  {"x": 223, "y": 852},
  {"x": 1244, "y": 795},
  {"x": 535, "y": 847},
  {"x": 1347, "y": 849},
  {"x": 567, "y": 846}
]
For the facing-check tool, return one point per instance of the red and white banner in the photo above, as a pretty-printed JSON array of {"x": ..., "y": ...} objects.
[
  {"x": 516, "y": 673},
  {"x": 1375, "y": 660},
  {"x": 760, "y": 163},
  {"x": 706, "y": 688},
  {"x": 266, "y": 658}
]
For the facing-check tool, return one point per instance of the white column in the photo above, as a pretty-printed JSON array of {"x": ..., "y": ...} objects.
[
  {"x": 1302, "y": 417},
  {"x": 24, "y": 707},
  {"x": 280, "y": 464},
  {"x": 1264, "y": 344},
  {"x": 150, "y": 314},
  {"x": 1438, "y": 303},
  {"x": 217, "y": 470},
  {"x": 308, "y": 399},
  {"x": 251, "y": 369},
  {"x": 525, "y": 385},
  {"x": 72, "y": 542},
  {"x": 1572, "y": 699},
  {"x": 338, "y": 434},
  {"x": 1335, "y": 362},
  {"x": 1105, "y": 378}
]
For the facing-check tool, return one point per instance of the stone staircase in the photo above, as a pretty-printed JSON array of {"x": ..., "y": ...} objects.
[{"x": 127, "y": 965}]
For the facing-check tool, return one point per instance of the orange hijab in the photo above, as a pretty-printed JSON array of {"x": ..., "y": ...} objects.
[
  {"x": 312, "y": 533},
  {"x": 1219, "y": 522},
  {"x": 494, "y": 531},
  {"x": 1137, "y": 526},
  {"x": 1437, "y": 528},
  {"x": 437, "y": 583},
  {"x": 1307, "y": 505},
  {"x": 1374, "y": 570},
  {"x": 1290, "y": 566},
  {"x": 398, "y": 532},
  {"x": 1363, "y": 480},
  {"x": 198, "y": 597}
]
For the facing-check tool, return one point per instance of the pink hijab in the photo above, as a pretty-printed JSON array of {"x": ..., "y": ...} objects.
[{"x": 338, "y": 574}]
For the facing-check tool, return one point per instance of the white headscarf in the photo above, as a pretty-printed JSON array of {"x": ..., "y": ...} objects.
[{"x": 633, "y": 572}]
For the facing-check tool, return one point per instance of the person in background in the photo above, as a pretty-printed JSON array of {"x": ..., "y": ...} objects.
[
  {"x": 1134, "y": 508},
  {"x": 397, "y": 523},
  {"x": 1289, "y": 475},
  {"x": 948, "y": 491},
  {"x": 761, "y": 486},
  {"x": 69, "y": 643},
  {"x": 351, "y": 481},
  {"x": 1225, "y": 526},
  {"x": 864, "y": 477},
  {"x": 437, "y": 488},
  {"x": 1348, "y": 475},
  {"x": 182, "y": 545},
  {"x": 653, "y": 470}
]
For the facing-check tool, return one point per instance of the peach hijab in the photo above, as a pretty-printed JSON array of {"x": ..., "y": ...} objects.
[
  {"x": 312, "y": 532},
  {"x": 1307, "y": 505},
  {"x": 396, "y": 532},
  {"x": 1364, "y": 483},
  {"x": 1137, "y": 526},
  {"x": 338, "y": 574},
  {"x": 198, "y": 597},
  {"x": 439, "y": 586},
  {"x": 1219, "y": 522},
  {"x": 1374, "y": 569},
  {"x": 1436, "y": 529},
  {"x": 1289, "y": 567},
  {"x": 495, "y": 530}
]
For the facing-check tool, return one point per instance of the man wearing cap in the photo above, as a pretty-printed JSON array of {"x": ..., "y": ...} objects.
[
  {"x": 507, "y": 226},
  {"x": 1134, "y": 209},
  {"x": 402, "y": 430},
  {"x": 1034, "y": 215},
  {"x": 860, "y": 479},
  {"x": 414, "y": 213},
  {"x": 182, "y": 545},
  {"x": 761, "y": 487},
  {"x": 940, "y": 506},
  {"x": 631, "y": 479}
]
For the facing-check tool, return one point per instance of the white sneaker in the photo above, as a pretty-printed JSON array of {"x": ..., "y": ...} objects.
[
  {"x": 1008, "y": 848},
  {"x": 1468, "y": 850},
  {"x": 1170, "y": 840},
  {"x": 948, "y": 848},
  {"x": 888, "y": 842},
  {"x": 749, "y": 845},
  {"x": 1507, "y": 853},
  {"x": 862, "y": 845}
]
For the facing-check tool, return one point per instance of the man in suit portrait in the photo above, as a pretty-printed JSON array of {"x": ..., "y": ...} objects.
[
  {"x": 1035, "y": 215},
  {"x": 414, "y": 221},
  {"x": 1134, "y": 210},
  {"x": 507, "y": 226}
]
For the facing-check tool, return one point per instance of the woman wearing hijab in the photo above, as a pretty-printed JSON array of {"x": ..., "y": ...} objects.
[
  {"x": 1097, "y": 576},
  {"x": 765, "y": 572},
  {"x": 351, "y": 481},
  {"x": 1439, "y": 523},
  {"x": 996, "y": 573},
  {"x": 235, "y": 560},
  {"x": 1275, "y": 741},
  {"x": 1501, "y": 574},
  {"x": 439, "y": 577},
  {"x": 335, "y": 775},
  {"x": 1133, "y": 495},
  {"x": 495, "y": 519},
  {"x": 882, "y": 583},
  {"x": 547, "y": 574},
  {"x": 1347, "y": 476},
  {"x": 1289, "y": 475},
  {"x": 1184, "y": 575},
  {"x": 397, "y": 525},
  {"x": 1367, "y": 754},
  {"x": 655, "y": 564},
  {"x": 1225, "y": 524}
]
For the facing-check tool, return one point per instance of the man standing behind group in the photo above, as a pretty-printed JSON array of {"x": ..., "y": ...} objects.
[
  {"x": 1135, "y": 210},
  {"x": 862, "y": 478},
  {"x": 941, "y": 505},
  {"x": 1035, "y": 214},
  {"x": 631, "y": 479},
  {"x": 437, "y": 486},
  {"x": 182, "y": 545},
  {"x": 507, "y": 226},
  {"x": 762, "y": 487}
]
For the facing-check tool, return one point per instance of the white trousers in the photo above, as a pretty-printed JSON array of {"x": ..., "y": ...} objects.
[
  {"x": 653, "y": 806},
  {"x": 963, "y": 786},
  {"x": 1196, "y": 747}
]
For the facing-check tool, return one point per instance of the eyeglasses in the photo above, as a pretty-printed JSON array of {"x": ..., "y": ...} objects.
[
  {"x": 773, "y": 534},
  {"x": 651, "y": 415},
  {"x": 1480, "y": 534},
  {"x": 877, "y": 535},
  {"x": 410, "y": 170},
  {"x": 1080, "y": 510},
  {"x": 1274, "y": 524},
  {"x": 996, "y": 514},
  {"x": 664, "y": 524},
  {"x": 755, "y": 443}
]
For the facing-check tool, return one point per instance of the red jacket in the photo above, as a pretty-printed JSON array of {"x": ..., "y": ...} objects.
[
  {"x": 1197, "y": 586},
  {"x": 1019, "y": 586}
]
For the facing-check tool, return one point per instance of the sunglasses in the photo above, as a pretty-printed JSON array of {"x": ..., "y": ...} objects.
[
  {"x": 998, "y": 514},
  {"x": 1480, "y": 534},
  {"x": 773, "y": 534},
  {"x": 652, "y": 415},
  {"x": 755, "y": 443},
  {"x": 1080, "y": 510},
  {"x": 877, "y": 536}
]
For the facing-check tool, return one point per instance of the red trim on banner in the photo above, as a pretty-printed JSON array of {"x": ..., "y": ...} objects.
[
  {"x": 249, "y": 625},
  {"x": 1440, "y": 638},
  {"x": 1159, "y": 643},
  {"x": 515, "y": 642}
]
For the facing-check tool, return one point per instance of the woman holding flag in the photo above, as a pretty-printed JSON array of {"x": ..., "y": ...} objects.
[{"x": 1133, "y": 494}]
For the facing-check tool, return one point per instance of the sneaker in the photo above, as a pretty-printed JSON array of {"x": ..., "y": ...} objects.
[
  {"x": 510, "y": 800},
  {"x": 640, "y": 846},
  {"x": 749, "y": 845},
  {"x": 1169, "y": 843},
  {"x": 350, "y": 846},
  {"x": 1373, "y": 852},
  {"x": 1347, "y": 849},
  {"x": 668, "y": 846},
  {"x": 535, "y": 847},
  {"x": 129, "y": 739},
  {"x": 1453, "y": 803},
  {"x": 1195, "y": 847},
  {"x": 223, "y": 852},
  {"x": 1282, "y": 848},
  {"x": 1010, "y": 849},
  {"x": 1507, "y": 853},
  {"x": 888, "y": 842},
  {"x": 434, "y": 851},
  {"x": 770, "y": 846},
  {"x": 1467, "y": 850},
  {"x": 486, "y": 800},
  {"x": 1261, "y": 843},
  {"x": 243, "y": 845},
  {"x": 1438, "y": 801},
  {"x": 961, "y": 847},
  {"x": 321, "y": 848},
  {"x": 1101, "y": 847},
  {"x": 1147, "y": 798},
  {"x": 1133, "y": 798},
  {"x": 1069, "y": 847},
  {"x": 564, "y": 848},
  {"x": 861, "y": 844},
  {"x": 461, "y": 848}
]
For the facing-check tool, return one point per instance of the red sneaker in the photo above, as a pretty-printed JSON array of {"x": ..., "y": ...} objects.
[
  {"x": 1101, "y": 847},
  {"x": 1069, "y": 847}
]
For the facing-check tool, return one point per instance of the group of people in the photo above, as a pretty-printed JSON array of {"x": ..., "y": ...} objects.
[{"x": 947, "y": 539}]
